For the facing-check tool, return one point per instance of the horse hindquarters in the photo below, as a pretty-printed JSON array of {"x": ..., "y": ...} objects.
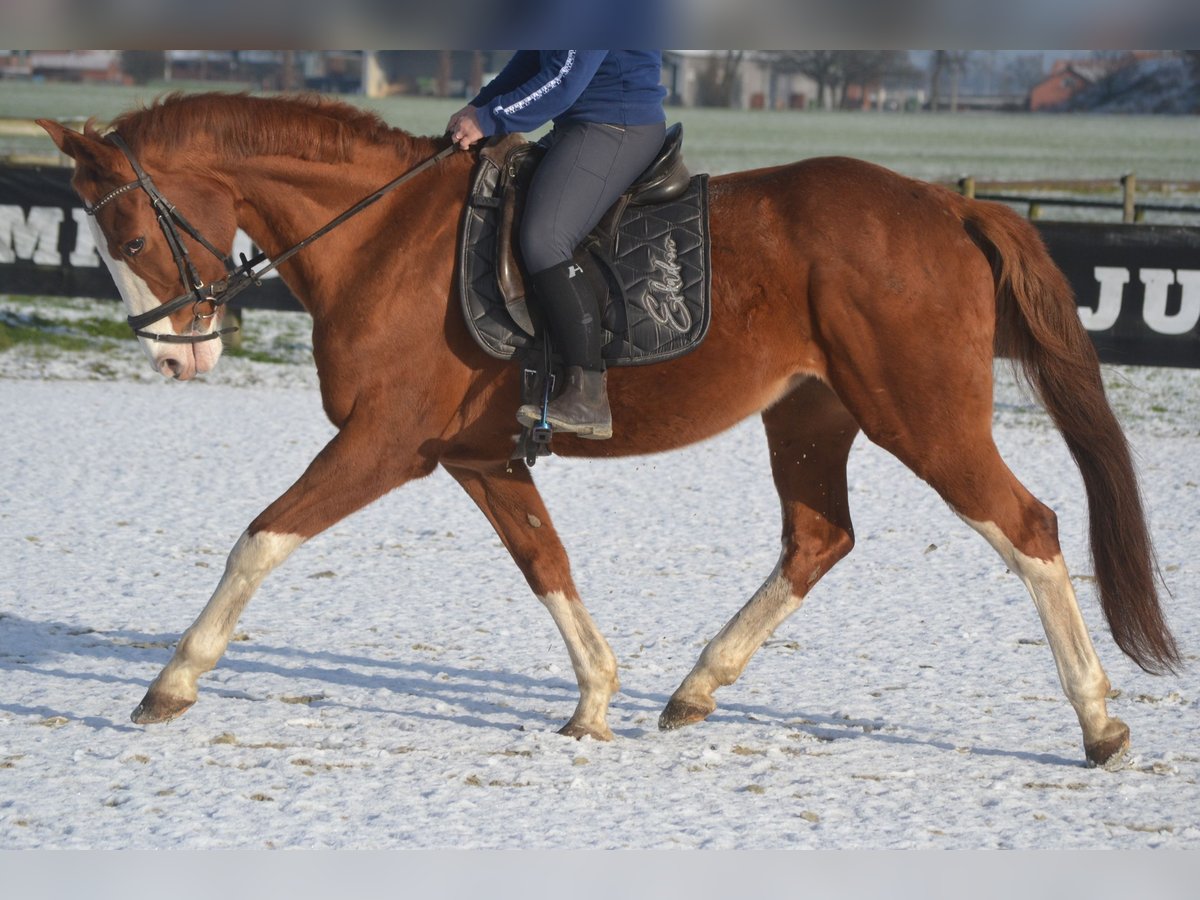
[{"x": 919, "y": 381}]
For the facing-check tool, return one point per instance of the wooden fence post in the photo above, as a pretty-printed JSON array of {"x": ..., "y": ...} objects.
[
  {"x": 1129, "y": 187},
  {"x": 966, "y": 186}
]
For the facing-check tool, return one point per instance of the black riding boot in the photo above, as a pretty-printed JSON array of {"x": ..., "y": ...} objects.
[{"x": 572, "y": 313}]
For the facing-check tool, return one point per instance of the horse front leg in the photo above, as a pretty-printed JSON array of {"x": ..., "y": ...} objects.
[
  {"x": 174, "y": 690},
  {"x": 511, "y": 502},
  {"x": 345, "y": 476}
]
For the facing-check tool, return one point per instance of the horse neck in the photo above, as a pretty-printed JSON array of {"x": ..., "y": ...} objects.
[{"x": 281, "y": 201}]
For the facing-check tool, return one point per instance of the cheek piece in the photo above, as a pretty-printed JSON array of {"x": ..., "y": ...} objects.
[{"x": 203, "y": 297}]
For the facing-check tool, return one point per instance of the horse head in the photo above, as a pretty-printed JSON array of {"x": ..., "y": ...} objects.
[{"x": 150, "y": 257}]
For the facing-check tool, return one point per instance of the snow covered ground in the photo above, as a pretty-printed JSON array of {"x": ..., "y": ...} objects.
[{"x": 396, "y": 685}]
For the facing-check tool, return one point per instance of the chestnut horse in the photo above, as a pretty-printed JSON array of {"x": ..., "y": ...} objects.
[{"x": 845, "y": 297}]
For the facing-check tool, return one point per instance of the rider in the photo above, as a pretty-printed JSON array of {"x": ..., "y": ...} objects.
[{"x": 609, "y": 123}]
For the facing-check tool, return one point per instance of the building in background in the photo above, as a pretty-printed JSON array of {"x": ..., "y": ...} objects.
[
  {"x": 1066, "y": 79},
  {"x": 1161, "y": 82},
  {"x": 63, "y": 65}
]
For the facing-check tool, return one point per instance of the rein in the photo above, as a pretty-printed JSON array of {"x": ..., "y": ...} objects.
[{"x": 238, "y": 277}]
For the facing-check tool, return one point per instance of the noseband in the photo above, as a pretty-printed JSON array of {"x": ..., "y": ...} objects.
[{"x": 238, "y": 277}]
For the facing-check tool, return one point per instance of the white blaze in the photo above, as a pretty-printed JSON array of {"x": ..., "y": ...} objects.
[{"x": 138, "y": 299}]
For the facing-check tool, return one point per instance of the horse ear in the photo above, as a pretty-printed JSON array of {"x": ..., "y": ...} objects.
[{"x": 83, "y": 148}]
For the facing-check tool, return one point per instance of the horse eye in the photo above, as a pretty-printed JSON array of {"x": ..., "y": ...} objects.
[{"x": 134, "y": 247}]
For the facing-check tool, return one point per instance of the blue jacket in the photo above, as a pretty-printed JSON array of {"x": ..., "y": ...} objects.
[{"x": 613, "y": 87}]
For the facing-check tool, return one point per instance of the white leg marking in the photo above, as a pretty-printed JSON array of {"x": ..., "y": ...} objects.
[
  {"x": 593, "y": 660},
  {"x": 1079, "y": 670},
  {"x": 727, "y": 654},
  {"x": 202, "y": 645}
]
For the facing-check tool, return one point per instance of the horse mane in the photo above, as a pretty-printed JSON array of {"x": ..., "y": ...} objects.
[{"x": 238, "y": 126}]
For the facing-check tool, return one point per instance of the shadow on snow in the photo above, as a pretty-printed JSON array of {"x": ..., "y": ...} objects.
[{"x": 481, "y": 696}]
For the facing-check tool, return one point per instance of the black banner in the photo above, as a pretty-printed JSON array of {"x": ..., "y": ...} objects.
[{"x": 1138, "y": 286}]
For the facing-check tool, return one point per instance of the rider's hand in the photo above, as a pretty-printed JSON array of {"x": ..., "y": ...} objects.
[{"x": 463, "y": 127}]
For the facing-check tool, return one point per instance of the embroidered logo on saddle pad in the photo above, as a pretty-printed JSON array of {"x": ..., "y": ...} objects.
[{"x": 653, "y": 258}]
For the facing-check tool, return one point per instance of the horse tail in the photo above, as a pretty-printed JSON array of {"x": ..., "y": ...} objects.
[{"x": 1038, "y": 328}]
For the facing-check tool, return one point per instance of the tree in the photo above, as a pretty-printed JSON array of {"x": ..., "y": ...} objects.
[
  {"x": 1110, "y": 63},
  {"x": 718, "y": 82},
  {"x": 445, "y": 70},
  {"x": 946, "y": 62},
  {"x": 822, "y": 66},
  {"x": 1022, "y": 73},
  {"x": 143, "y": 66},
  {"x": 475, "y": 81},
  {"x": 1112, "y": 60},
  {"x": 288, "y": 77},
  {"x": 867, "y": 68}
]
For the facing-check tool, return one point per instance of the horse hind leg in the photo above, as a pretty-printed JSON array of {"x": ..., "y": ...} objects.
[
  {"x": 511, "y": 502},
  {"x": 1083, "y": 680},
  {"x": 809, "y": 433},
  {"x": 950, "y": 447}
]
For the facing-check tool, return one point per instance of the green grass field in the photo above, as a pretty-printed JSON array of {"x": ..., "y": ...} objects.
[{"x": 938, "y": 147}]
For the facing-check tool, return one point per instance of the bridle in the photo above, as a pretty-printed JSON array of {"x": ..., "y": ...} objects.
[{"x": 206, "y": 297}]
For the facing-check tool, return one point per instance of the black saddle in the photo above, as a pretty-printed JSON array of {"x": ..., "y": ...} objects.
[
  {"x": 652, "y": 247},
  {"x": 667, "y": 177}
]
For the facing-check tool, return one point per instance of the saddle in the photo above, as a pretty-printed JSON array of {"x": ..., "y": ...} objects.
[{"x": 652, "y": 250}]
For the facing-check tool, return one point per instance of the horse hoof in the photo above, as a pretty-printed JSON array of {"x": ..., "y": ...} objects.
[
  {"x": 679, "y": 713},
  {"x": 156, "y": 708},
  {"x": 579, "y": 732},
  {"x": 1108, "y": 751}
]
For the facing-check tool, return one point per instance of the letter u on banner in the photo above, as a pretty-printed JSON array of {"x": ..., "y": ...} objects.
[{"x": 1155, "y": 309}]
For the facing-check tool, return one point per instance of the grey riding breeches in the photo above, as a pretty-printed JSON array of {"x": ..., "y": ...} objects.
[{"x": 586, "y": 168}]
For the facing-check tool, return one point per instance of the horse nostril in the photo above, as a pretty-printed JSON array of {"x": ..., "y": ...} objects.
[{"x": 171, "y": 367}]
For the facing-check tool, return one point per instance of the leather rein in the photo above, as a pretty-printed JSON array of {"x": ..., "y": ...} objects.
[{"x": 205, "y": 297}]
